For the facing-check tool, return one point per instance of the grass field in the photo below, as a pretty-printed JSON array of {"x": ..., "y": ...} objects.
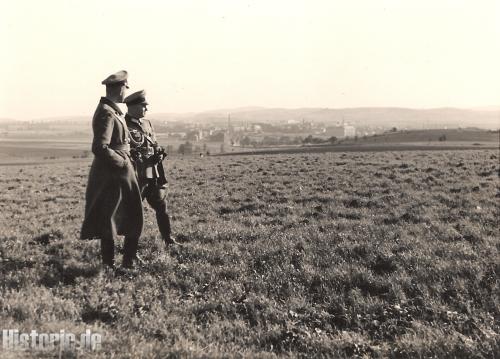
[
  {"x": 429, "y": 136},
  {"x": 61, "y": 147},
  {"x": 344, "y": 148},
  {"x": 342, "y": 254},
  {"x": 49, "y": 149},
  {"x": 42, "y": 150}
]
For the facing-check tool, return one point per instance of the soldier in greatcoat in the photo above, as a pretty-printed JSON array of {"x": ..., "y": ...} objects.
[
  {"x": 148, "y": 156},
  {"x": 113, "y": 198}
]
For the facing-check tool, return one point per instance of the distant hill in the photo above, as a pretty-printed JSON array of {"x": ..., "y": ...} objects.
[
  {"x": 487, "y": 108},
  {"x": 368, "y": 116},
  {"x": 62, "y": 119},
  {"x": 4, "y": 120},
  {"x": 487, "y": 118}
]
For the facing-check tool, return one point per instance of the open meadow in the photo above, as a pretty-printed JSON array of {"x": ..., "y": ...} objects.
[{"x": 344, "y": 254}]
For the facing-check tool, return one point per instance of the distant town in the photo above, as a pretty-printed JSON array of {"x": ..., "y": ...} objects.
[
  {"x": 250, "y": 128},
  {"x": 257, "y": 134}
]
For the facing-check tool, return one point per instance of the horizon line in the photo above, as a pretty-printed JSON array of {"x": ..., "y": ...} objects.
[{"x": 486, "y": 108}]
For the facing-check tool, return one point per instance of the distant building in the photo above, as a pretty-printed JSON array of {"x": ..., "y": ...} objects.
[
  {"x": 336, "y": 131},
  {"x": 341, "y": 131},
  {"x": 307, "y": 124},
  {"x": 194, "y": 135},
  {"x": 349, "y": 131},
  {"x": 181, "y": 135},
  {"x": 256, "y": 128}
]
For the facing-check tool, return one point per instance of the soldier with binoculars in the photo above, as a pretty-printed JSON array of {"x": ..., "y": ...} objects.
[{"x": 148, "y": 157}]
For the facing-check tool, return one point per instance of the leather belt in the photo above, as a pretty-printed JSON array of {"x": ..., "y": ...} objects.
[{"x": 122, "y": 147}]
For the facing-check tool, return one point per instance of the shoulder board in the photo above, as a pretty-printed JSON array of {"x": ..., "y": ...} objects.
[{"x": 108, "y": 108}]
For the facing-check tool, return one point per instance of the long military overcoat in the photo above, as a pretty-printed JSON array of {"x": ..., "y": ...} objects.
[{"x": 113, "y": 198}]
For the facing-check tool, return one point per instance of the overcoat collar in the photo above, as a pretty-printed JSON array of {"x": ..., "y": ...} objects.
[{"x": 108, "y": 102}]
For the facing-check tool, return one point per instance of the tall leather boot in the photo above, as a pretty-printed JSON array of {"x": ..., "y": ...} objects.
[
  {"x": 163, "y": 220},
  {"x": 130, "y": 251},
  {"x": 108, "y": 251}
]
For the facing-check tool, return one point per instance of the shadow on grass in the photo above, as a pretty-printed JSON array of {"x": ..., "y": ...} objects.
[
  {"x": 47, "y": 238},
  {"x": 15, "y": 265},
  {"x": 57, "y": 273},
  {"x": 100, "y": 313}
]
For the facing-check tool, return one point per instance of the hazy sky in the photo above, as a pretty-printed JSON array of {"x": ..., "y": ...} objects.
[{"x": 201, "y": 55}]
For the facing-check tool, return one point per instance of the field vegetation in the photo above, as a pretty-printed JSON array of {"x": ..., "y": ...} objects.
[
  {"x": 455, "y": 136},
  {"x": 48, "y": 149},
  {"x": 343, "y": 254}
]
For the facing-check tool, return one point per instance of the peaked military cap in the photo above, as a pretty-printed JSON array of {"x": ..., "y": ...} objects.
[
  {"x": 138, "y": 97},
  {"x": 116, "y": 78}
]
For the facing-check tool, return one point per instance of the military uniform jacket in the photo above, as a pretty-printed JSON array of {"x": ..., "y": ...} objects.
[
  {"x": 143, "y": 140},
  {"x": 113, "y": 199}
]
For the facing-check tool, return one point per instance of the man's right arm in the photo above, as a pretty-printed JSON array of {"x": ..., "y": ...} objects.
[{"x": 103, "y": 129}]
